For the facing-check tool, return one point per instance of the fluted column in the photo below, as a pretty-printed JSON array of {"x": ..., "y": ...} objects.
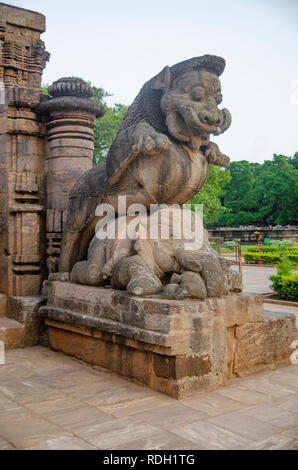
[{"x": 69, "y": 116}]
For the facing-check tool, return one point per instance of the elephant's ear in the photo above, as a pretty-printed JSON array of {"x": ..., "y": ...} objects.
[{"x": 163, "y": 80}]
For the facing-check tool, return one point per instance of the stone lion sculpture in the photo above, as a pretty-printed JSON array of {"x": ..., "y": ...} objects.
[{"x": 161, "y": 154}]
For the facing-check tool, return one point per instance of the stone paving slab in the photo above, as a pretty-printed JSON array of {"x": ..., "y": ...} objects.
[
  {"x": 250, "y": 429},
  {"x": 256, "y": 279},
  {"x": 244, "y": 395},
  {"x": 172, "y": 416},
  {"x": 270, "y": 388},
  {"x": 275, "y": 413},
  {"x": 292, "y": 432},
  {"x": 66, "y": 442},
  {"x": 278, "y": 442},
  {"x": 116, "y": 432},
  {"x": 27, "y": 430},
  {"x": 213, "y": 404},
  {"x": 280, "y": 308},
  {"x": 5, "y": 445},
  {"x": 51, "y": 401},
  {"x": 162, "y": 440},
  {"x": 211, "y": 437}
]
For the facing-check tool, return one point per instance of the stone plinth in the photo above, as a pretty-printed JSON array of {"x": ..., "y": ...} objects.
[{"x": 175, "y": 347}]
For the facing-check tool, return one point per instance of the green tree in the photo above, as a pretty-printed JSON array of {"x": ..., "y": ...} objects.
[
  {"x": 276, "y": 191},
  {"x": 239, "y": 194},
  {"x": 294, "y": 160},
  {"x": 106, "y": 130},
  {"x": 44, "y": 89},
  {"x": 261, "y": 194},
  {"x": 107, "y": 126},
  {"x": 210, "y": 195}
]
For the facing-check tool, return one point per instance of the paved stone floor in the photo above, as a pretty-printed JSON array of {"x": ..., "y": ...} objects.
[
  {"x": 256, "y": 279},
  {"x": 51, "y": 401}
]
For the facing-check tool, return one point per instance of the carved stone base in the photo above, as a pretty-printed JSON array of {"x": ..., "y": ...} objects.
[
  {"x": 175, "y": 347},
  {"x": 24, "y": 310}
]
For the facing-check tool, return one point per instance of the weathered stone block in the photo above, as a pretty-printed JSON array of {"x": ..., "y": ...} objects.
[
  {"x": 12, "y": 333},
  {"x": 193, "y": 366},
  {"x": 200, "y": 340},
  {"x": 177, "y": 348},
  {"x": 23, "y": 18},
  {"x": 25, "y": 310},
  {"x": 258, "y": 344},
  {"x": 3, "y": 303},
  {"x": 164, "y": 366}
]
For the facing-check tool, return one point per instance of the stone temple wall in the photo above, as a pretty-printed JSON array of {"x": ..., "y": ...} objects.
[
  {"x": 46, "y": 144},
  {"x": 22, "y": 155},
  {"x": 247, "y": 234}
]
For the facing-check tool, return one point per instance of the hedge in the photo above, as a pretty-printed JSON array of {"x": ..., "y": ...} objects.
[
  {"x": 274, "y": 249},
  {"x": 269, "y": 258},
  {"x": 280, "y": 243},
  {"x": 286, "y": 287}
]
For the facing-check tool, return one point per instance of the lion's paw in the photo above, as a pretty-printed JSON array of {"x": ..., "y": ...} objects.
[{"x": 144, "y": 284}]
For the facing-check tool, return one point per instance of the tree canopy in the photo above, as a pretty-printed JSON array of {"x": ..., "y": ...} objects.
[
  {"x": 107, "y": 126},
  {"x": 210, "y": 195},
  {"x": 264, "y": 194}
]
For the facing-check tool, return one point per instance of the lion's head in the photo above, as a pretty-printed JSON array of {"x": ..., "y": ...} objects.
[{"x": 191, "y": 93}]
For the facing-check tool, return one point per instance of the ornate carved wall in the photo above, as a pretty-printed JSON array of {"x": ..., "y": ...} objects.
[
  {"x": 46, "y": 144},
  {"x": 22, "y": 156}
]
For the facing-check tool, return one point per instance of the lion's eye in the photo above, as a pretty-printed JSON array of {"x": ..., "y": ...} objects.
[{"x": 197, "y": 94}]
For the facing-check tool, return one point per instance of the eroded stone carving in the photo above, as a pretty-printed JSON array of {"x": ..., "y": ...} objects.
[
  {"x": 148, "y": 266},
  {"x": 161, "y": 154}
]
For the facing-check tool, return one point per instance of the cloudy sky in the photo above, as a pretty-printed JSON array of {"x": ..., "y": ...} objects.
[{"x": 120, "y": 44}]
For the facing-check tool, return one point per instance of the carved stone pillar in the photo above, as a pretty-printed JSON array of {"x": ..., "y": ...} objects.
[
  {"x": 22, "y": 193},
  {"x": 69, "y": 116}
]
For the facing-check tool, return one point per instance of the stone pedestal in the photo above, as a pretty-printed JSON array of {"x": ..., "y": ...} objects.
[{"x": 175, "y": 347}]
